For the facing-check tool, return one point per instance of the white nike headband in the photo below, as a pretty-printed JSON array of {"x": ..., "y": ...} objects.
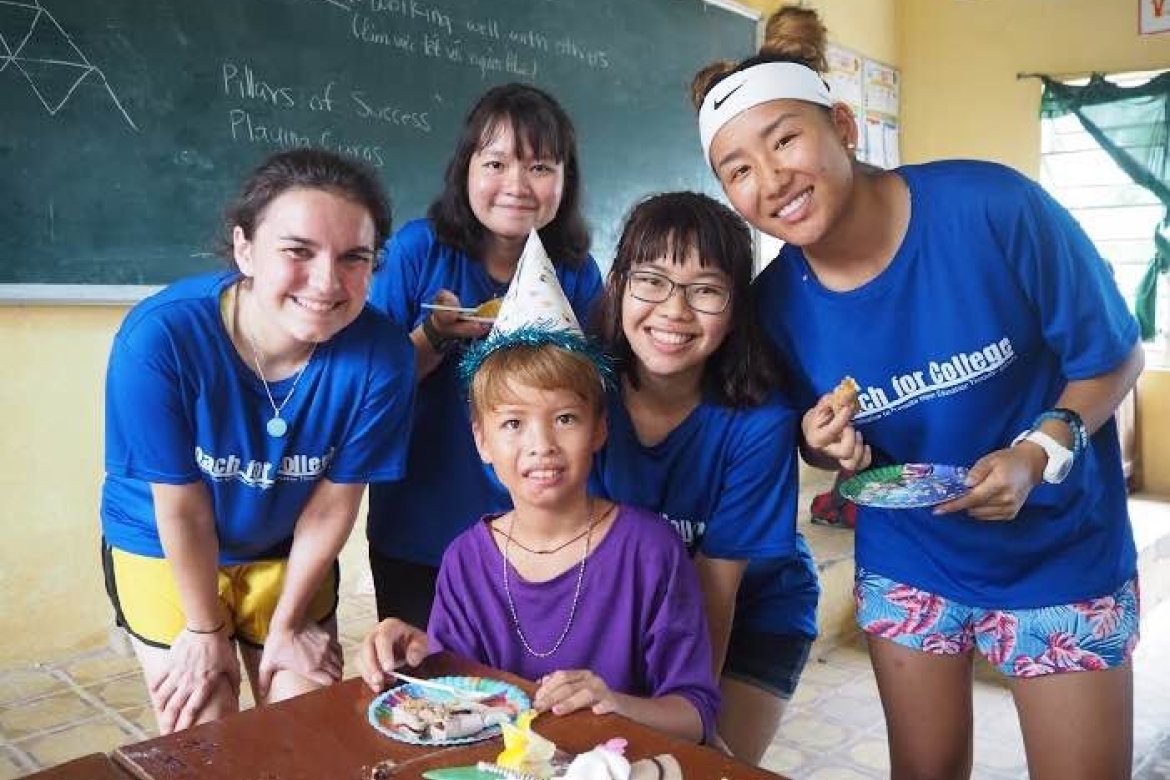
[{"x": 755, "y": 85}]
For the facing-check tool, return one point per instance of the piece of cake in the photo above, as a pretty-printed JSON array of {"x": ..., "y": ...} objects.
[
  {"x": 844, "y": 396},
  {"x": 489, "y": 309}
]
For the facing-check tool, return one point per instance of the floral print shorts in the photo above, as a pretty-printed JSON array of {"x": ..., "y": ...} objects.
[{"x": 1100, "y": 633}]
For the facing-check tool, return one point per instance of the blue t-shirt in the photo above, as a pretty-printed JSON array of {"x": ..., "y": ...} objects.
[
  {"x": 726, "y": 480},
  {"x": 181, "y": 406},
  {"x": 994, "y": 301},
  {"x": 447, "y": 487}
]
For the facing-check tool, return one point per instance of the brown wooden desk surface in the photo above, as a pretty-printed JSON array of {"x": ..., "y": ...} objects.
[
  {"x": 92, "y": 767},
  {"x": 326, "y": 735}
]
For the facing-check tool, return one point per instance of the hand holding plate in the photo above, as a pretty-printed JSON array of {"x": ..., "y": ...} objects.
[{"x": 1000, "y": 483}]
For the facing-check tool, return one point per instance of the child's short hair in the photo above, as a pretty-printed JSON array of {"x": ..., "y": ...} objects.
[{"x": 543, "y": 366}]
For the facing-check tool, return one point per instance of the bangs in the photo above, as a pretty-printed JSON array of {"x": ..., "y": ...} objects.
[
  {"x": 669, "y": 227},
  {"x": 541, "y": 367},
  {"x": 537, "y": 131}
]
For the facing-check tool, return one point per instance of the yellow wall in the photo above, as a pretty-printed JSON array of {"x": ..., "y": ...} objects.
[
  {"x": 959, "y": 60},
  {"x": 51, "y": 393},
  {"x": 1154, "y": 432}
]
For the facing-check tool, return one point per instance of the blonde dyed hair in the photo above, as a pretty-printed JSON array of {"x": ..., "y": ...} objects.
[
  {"x": 544, "y": 367},
  {"x": 792, "y": 34}
]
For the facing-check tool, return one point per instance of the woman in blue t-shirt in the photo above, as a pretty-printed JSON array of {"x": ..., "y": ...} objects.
[
  {"x": 983, "y": 330},
  {"x": 245, "y": 412},
  {"x": 698, "y": 433},
  {"x": 515, "y": 168}
]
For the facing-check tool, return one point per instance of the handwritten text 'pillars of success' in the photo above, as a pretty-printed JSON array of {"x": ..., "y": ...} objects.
[{"x": 260, "y": 103}]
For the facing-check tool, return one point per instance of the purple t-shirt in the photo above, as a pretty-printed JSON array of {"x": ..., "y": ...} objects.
[{"x": 639, "y": 623}]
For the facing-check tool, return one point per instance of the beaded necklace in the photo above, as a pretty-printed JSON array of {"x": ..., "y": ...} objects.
[{"x": 576, "y": 592}]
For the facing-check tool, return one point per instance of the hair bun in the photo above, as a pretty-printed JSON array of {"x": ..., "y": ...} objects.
[
  {"x": 708, "y": 77},
  {"x": 796, "y": 33}
]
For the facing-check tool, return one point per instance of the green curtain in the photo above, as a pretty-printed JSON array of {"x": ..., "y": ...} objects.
[{"x": 1132, "y": 125}]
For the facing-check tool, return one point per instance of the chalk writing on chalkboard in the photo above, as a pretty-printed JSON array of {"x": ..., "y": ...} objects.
[
  {"x": 34, "y": 44},
  {"x": 127, "y": 125}
]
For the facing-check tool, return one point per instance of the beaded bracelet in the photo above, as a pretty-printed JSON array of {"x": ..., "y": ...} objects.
[
  {"x": 440, "y": 343},
  {"x": 1075, "y": 425}
]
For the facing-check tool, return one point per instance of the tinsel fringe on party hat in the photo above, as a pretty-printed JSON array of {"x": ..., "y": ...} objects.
[{"x": 536, "y": 334}]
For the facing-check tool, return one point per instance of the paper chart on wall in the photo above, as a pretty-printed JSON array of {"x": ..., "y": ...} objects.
[
  {"x": 845, "y": 77},
  {"x": 881, "y": 89},
  {"x": 871, "y": 90},
  {"x": 881, "y": 114}
]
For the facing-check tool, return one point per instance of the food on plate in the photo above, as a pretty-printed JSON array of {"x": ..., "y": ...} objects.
[
  {"x": 844, "y": 396},
  {"x": 441, "y": 721}
]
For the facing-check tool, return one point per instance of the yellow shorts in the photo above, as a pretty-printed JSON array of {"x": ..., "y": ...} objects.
[{"x": 146, "y": 601}]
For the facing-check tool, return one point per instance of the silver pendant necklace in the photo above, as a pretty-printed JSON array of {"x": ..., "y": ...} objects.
[
  {"x": 576, "y": 592},
  {"x": 277, "y": 426}
]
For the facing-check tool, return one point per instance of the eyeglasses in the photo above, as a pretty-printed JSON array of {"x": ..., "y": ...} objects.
[{"x": 653, "y": 287}]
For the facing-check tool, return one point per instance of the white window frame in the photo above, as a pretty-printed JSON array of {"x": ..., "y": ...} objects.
[{"x": 1118, "y": 218}]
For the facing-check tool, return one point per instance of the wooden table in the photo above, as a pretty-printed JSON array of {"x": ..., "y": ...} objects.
[
  {"x": 325, "y": 736},
  {"x": 95, "y": 766}
]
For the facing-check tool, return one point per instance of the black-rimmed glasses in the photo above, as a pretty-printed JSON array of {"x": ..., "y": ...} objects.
[{"x": 653, "y": 287}]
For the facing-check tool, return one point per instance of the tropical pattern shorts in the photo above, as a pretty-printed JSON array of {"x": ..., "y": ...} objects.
[{"x": 1100, "y": 633}]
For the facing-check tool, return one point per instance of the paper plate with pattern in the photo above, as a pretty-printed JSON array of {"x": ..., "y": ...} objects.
[{"x": 906, "y": 486}]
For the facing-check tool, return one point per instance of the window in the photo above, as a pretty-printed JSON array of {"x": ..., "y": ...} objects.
[{"x": 1118, "y": 215}]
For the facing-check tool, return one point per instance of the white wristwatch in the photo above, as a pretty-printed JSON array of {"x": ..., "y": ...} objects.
[{"x": 1060, "y": 458}]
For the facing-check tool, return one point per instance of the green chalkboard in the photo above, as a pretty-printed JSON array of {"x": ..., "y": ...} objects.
[{"x": 125, "y": 125}]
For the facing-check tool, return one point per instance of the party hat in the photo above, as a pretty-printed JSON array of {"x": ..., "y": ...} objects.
[
  {"x": 534, "y": 312},
  {"x": 535, "y": 295}
]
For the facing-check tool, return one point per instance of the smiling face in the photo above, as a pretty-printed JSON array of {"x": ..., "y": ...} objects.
[
  {"x": 309, "y": 260},
  {"x": 540, "y": 443},
  {"x": 786, "y": 168},
  {"x": 510, "y": 190},
  {"x": 672, "y": 339}
]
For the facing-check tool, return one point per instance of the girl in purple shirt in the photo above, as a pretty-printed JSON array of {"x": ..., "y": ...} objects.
[{"x": 598, "y": 602}]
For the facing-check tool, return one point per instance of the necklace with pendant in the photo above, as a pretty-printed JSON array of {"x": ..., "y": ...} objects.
[
  {"x": 277, "y": 426},
  {"x": 576, "y": 592}
]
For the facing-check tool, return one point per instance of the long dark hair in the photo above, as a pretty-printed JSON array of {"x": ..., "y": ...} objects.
[
  {"x": 744, "y": 370},
  {"x": 309, "y": 169},
  {"x": 538, "y": 122}
]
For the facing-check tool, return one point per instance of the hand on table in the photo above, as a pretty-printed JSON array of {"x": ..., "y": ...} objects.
[
  {"x": 390, "y": 645},
  {"x": 199, "y": 662},
  {"x": 570, "y": 690}
]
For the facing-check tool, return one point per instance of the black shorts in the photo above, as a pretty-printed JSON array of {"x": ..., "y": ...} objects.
[
  {"x": 403, "y": 589},
  {"x": 772, "y": 662}
]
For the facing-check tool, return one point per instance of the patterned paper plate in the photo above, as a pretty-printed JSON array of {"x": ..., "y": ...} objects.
[
  {"x": 906, "y": 486},
  {"x": 379, "y": 713}
]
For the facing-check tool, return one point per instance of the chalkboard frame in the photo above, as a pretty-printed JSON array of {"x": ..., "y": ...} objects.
[{"x": 51, "y": 294}]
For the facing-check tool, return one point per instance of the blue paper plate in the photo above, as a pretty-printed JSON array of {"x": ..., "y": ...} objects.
[
  {"x": 379, "y": 713},
  {"x": 906, "y": 486}
]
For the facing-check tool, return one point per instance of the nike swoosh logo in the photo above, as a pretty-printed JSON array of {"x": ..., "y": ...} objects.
[{"x": 722, "y": 100}]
